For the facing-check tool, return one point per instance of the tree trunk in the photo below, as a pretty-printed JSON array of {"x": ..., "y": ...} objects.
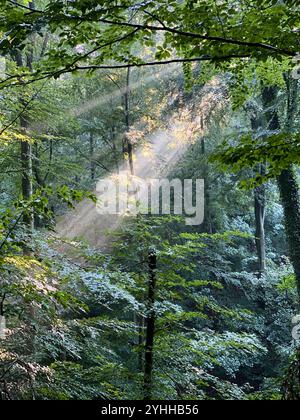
[
  {"x": 27, "y": 173},
  {"x": 289, "y": 191},
  {"x": 150, "y": 327},
  {"x": 36, "y": 166},
  {"x": 259, "y": 206},
  {"x": 26, "y": 154},
  {"x": 92, "y": 153},
  {"x": 127, "y": 146},
  {"x": 141, "y": 329},
  {"x": 115, "y": 151},
  {"x": 287, "y": 181},
  {"x": 208, "y": 224},
  {"x": 260, "y": 237}
]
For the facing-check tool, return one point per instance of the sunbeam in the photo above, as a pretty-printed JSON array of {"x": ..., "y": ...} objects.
[
  {"x": 154, "y": 159},
  {"x": 119, "y": 92}
]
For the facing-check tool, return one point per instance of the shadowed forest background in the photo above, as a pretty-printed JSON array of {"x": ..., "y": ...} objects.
[{"x": 145, "y": 307}]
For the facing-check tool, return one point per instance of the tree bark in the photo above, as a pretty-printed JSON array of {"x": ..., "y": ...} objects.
[
  {"x": 259, "y": 206},
  {"x": 289, "y": 191},
  {"x": 115, "y": 151},
  {"x": 26, "y": 158},
  {"x": 141, "y": 330},
  {"x": 150, "y": 327},
  {"x": 27, "y": 187},
  {"x": 208, "y": 224}
]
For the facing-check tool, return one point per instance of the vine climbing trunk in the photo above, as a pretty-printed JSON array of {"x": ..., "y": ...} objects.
[
  {"x": 287, "y": 181},
  {"x": 289, "y": 192},
  {"x": 150, "y": 327}
]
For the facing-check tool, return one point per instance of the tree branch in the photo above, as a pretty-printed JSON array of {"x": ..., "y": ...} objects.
[
  {"x": 202, "y": 37},
  {"x": 48, "y": 75},
  {"x": 22, "y": 6},
  {"x": 159, "y": 63}
]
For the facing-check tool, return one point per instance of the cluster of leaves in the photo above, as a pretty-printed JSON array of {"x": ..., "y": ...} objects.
[{"x": 85, "y": 324}]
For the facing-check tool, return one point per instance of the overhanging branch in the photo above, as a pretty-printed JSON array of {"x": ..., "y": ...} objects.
[
  {"x": 48, "y": 75},
  {"x": 202, "y": 37}
]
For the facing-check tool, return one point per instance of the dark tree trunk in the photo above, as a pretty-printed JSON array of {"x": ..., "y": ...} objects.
[
  {"x": 289, "y": 191},
  {"x": 260, "y": 237},
  {"x": 40, "y": 180},
  {"x": 141, "y": 337},
  {"x": 27, "y": 173},
  {"x": 127, "y": 146},
  {"x": 37, "y": 167},
  {"x": 150, "y": 327},
  {"x": 25, "y": 153},
  {"x": 208, "y": 224},
  {"x": 259, "y": 206},
  {"x": 92, "y": 154}
]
